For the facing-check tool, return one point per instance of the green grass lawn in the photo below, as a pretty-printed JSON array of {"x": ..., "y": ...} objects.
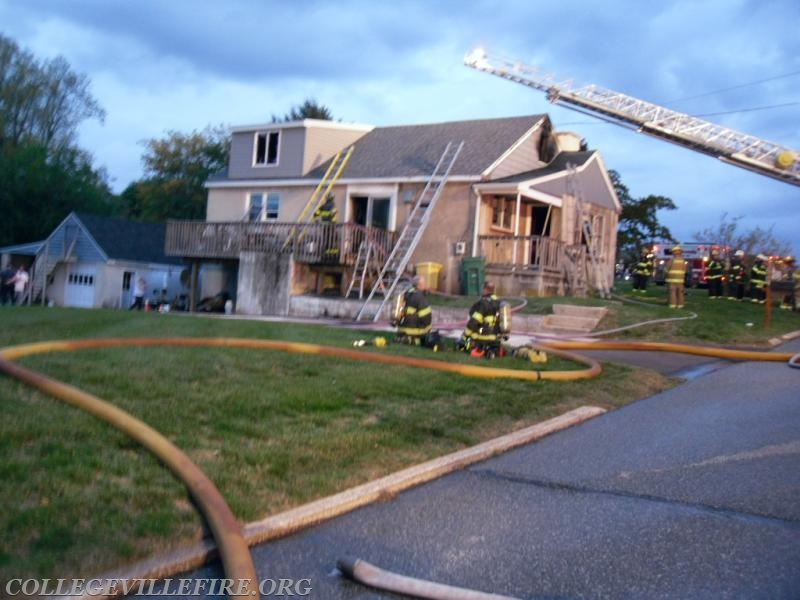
[{"x": 271, "y": 429}]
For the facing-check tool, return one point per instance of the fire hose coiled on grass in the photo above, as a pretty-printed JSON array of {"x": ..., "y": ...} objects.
[{"x": 233, "y": 549}]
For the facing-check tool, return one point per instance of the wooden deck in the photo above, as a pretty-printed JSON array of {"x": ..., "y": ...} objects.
[{"x": 311, "y": 243}]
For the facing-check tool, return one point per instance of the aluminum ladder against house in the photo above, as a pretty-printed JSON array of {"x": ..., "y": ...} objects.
[
  {"x": 320, "y": 193},
  {"x": 368, "y": 262},
  {"x": 585, "y": 226},
  {"x": 417, "y": 220}
]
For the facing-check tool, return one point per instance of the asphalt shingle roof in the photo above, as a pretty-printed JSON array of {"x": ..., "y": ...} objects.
[
  {"x": 414, "y": 150},
  {"x": 128, "y": 240}
]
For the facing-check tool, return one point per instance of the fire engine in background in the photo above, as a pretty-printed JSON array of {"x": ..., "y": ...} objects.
[{"x": 696, "y": 254}]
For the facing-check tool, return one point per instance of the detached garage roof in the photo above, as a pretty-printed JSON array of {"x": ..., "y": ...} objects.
[{"x": 121, "y": 239}]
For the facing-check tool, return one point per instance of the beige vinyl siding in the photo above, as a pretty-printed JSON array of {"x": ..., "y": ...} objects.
[
  {"x": 524, "y": 157},
  {"x": 228, "y": 204},
  {"x": 322, "y": 143}
]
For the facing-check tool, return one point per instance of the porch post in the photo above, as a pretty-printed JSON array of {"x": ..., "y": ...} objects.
[
  {"x": 516, "y": 230},
  {"x": 193, "y": 286}
]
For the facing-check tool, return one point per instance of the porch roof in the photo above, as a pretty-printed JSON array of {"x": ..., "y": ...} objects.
[{"x": 548, "y": 184}]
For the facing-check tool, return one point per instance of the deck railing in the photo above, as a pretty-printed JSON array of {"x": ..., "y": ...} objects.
[
  {"x": 531, "y": 252},
  {"x": 311, "y": 243}
]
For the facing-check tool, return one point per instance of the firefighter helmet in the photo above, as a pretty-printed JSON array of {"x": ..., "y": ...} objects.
[
  {"x": 739, "y": 253},
  {"x": 677, "y": 250}
]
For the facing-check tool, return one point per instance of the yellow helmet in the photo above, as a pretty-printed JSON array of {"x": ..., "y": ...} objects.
[{"x": 677, "y": 250}]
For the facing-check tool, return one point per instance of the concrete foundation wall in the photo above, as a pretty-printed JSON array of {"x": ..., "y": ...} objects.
[{"x": 264, "y": 284}]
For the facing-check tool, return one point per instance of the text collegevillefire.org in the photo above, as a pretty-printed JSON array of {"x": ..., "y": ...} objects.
[{"x": 157, "y": 587}]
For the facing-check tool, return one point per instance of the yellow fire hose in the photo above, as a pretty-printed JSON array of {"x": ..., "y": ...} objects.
[
  {"x": 233, "y": 550},
  {"x": 754, "y": 355}
]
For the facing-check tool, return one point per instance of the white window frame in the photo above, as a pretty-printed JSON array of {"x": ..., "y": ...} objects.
[
  {"x": 269, "y": 206},
  {"x": 503, "y": 216},
  {"x": 255, "y": 210},
  {"x": 272, "y": 206},
  {"x": 263, "y": 157}
]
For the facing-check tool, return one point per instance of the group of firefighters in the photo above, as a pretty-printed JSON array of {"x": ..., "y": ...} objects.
[
  {"x": 488, "y": 324},
  {"x": 489, "y": 320},
  {"x": 733, "y": 279}
]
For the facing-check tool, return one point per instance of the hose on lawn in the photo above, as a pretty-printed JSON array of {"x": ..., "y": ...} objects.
[
  {"x": 227, "y": 533},
  {"x": 233, "y": 549}
]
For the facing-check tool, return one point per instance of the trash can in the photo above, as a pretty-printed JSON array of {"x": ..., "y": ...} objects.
[
  {"x": 430, "y": 271},
  {"x": 473, "y": 274}
]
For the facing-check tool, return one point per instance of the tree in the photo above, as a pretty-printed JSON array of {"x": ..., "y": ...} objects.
[
  {"x": 176, "y": 169},
  {"x": 753, "y": 241},
  {"x": 638, "y": 222},
  {"x": 43, "y": 174},
  {"x": 41, "y": 103},
  {"x": 309, "y": 109},
  {"x": 40, "y": 188}
]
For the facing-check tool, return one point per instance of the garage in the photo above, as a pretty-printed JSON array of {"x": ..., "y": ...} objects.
[{"x": 80, "y": 286}]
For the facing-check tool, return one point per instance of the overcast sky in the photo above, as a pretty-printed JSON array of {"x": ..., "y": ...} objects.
[{"x": 180, "y": 65}]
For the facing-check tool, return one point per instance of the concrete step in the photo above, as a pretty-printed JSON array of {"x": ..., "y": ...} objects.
[
  {"x": 569, "y": 323},
  {"x": 593, "y": 312}
]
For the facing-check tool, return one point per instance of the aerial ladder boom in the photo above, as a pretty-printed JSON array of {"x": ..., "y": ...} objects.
[{"x": 740, "y": 149}]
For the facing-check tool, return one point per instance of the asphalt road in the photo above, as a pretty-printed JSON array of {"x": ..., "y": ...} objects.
[{"x": 693, "y": 493}]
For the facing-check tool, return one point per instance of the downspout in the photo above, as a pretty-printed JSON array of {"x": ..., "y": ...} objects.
[{"x": 477, "y": 223}]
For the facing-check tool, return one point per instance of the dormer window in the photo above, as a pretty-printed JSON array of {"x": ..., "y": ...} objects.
[{"x": 266, "y": 149}]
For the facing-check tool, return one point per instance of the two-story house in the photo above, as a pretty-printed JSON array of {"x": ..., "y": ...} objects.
[{"x": 534, "y": 206}]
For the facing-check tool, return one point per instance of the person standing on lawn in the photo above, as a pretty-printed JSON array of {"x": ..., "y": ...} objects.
[
  {"x": 676, "y": 278},
  {"x": 714, "y": 272}
]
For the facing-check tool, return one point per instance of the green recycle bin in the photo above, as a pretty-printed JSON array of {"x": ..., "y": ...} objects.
[{"x": 473, "y": 274}]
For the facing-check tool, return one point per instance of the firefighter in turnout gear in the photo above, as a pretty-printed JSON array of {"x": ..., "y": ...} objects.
[
  {"x": 489, "y": 323},
  {"x": 737, "y": 277},
  {"x": 789, "y": 277},
  {"x": 714, "y": 275},
  {"x": 642, "y": 272},
  {"x": 326, "y": 213},
  {"x": 676, "y": 278},
  {"x": 758, "y": 280},
  {"x": 412, "y": 314}
]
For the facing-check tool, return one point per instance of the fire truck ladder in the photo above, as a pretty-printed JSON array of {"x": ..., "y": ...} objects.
[
  {"x": 417, "y": 220},
  {"x": 584, "y": 221},
  {"x": 320, "y": 193},
  {"x": 739, "y": 149}
]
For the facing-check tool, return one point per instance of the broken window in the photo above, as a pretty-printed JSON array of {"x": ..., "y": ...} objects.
[{"x": 267, "y": 148}]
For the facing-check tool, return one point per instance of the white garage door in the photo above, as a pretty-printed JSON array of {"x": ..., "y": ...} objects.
[{"x": 80, "y": 286}]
